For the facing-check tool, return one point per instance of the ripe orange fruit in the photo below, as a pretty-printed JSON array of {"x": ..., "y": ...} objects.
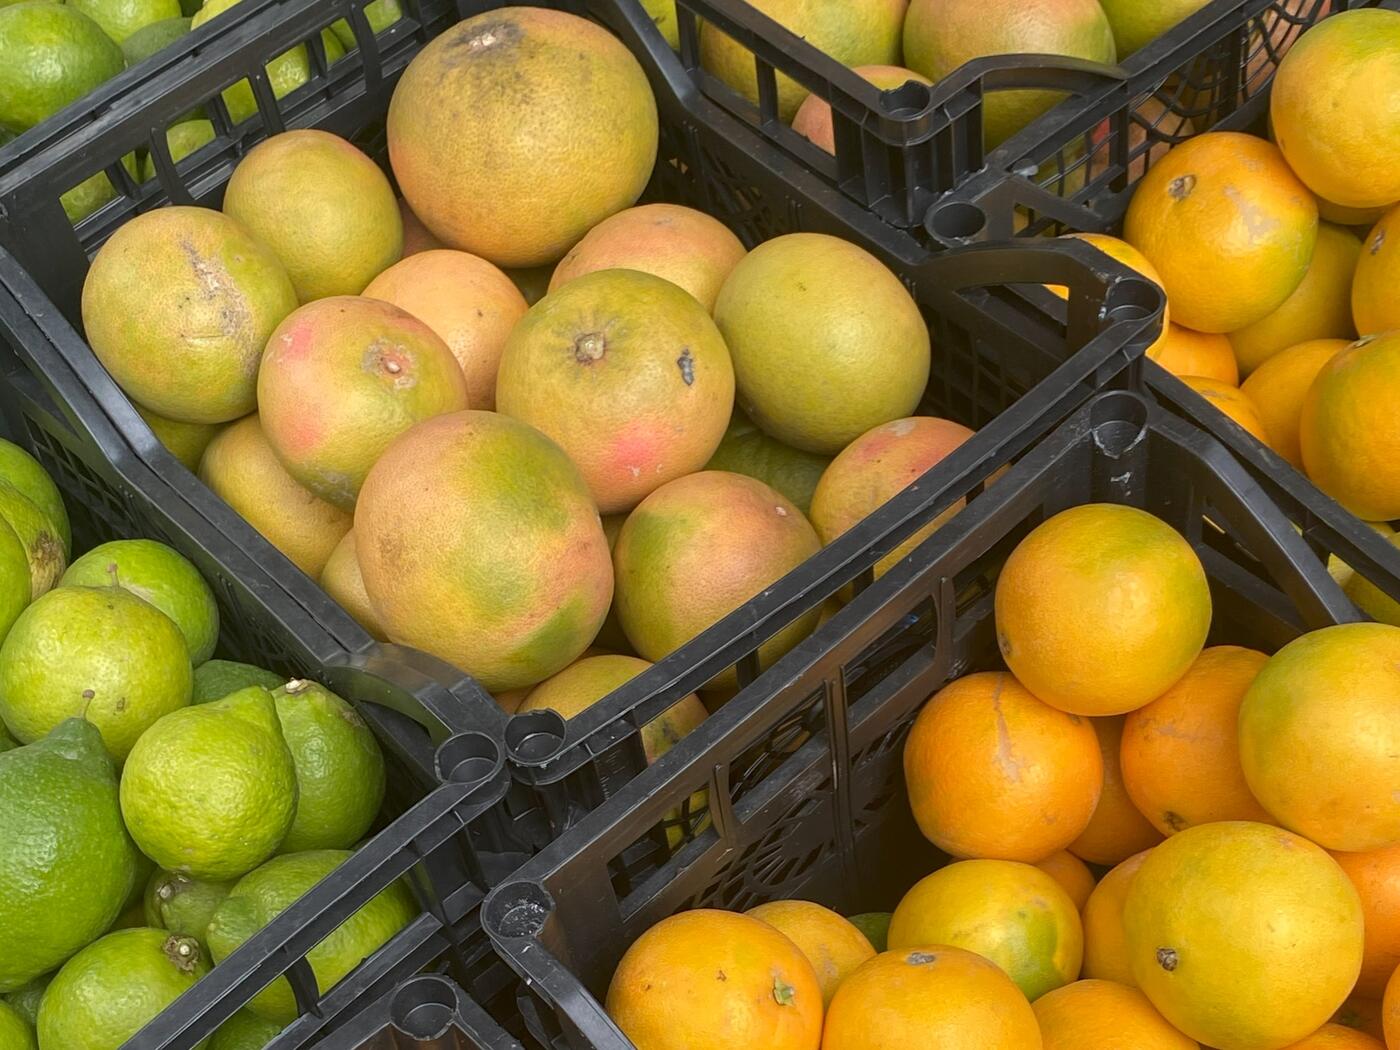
[
  {"x": 833, "y": 946},
  {"x": 1101, "y": 1015},
  {"x": 1377, "y": 275},
  {"x": 1208, "y": 944},
  {"x": 1228, "y": 226},
  {"x": 1320, "y": 736},
  {"x": 1105, "y": 950},
  {"x": 994, "y": 772},
  {"x": 813, "y": 120},
  {"x": 1184, "y": 352},
  {"x": 1117, "y": 829},
  {"x": 1120, "y": 250},
  {"x": 1278, "y": 387},
  {"x": 1101, "y": 608},
  {"x": 1367, "y": 217},
  {"x": 713, "y": 978},
  {"x": 932, "y": 996},
  {"x": 1071, "y": 873},
  {"x": 1181, "y": 752},
  {"x": 1337, "y": 1037},
  {"x": 1390, "y": 1012},
  {"x": 1376, "y": 876},
  {"x": 1233, "y": 402}
]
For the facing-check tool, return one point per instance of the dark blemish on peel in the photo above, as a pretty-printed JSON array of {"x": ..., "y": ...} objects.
[{"x": 687, "y": 366}]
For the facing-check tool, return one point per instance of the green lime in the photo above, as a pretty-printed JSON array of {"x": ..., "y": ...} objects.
[
  {"x": 7, "y": 742},
  {"x": 210, "y": 791},
  {"x": 97, "y": 652},
  {"x": 66, "y": 862},
  {"x": 93, "y": 192},
  {"x": 23, "y": 471},
  {"x": 340, "y": 770},
  {"x": 154, "y": 37},
  {"x": 187, "y": 440},
  {"x": 155, "y": 572},
  {"x": 121, "y": 18},
  {"x": 132, "y": 916},
  {"x": 16, "y": 1031},
  {"x": 25, "y": 998},
  {"x": 15, "y": 588},
  {"x": 216, "y": 679},
  {"x": 380, "y": 14},
  {"x": 182, "y": 904},
  {"x": 244, "y": 1031},
  {"x": 43, "y": 546},
  {"x": 745, "y": 449},
  {"x": 262, "y": 895},
  {"x": 54, "y": 55},
  {"x": 108, "y": 991},
  {"x": 876, "y": 927}
]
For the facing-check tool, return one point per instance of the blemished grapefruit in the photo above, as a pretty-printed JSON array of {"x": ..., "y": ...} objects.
[
  {"x": 498, "y": 178},
  {"x": 1373, "y": 298},
  {"x": 508, "y": 582},
  {"x": 1101, "y": 609},
  {"x": 833, "y": 946},
  {"x": 1184, "y": 352},
  {"x": 1229, "y": 227},
  {"x": 1072, "y": 874},
  {"x": 1234, "y": 402},
  {"x": 1105, "y": 950},
  {"x": 1117, "y": 830},
  {"x": 994, "y": 772},
  {"x": 342, "y": 581},
  {"x": 1102, "y": 1015},
  {"x": 714, "y": 978},
  {"x": 1376, "y": 876},
  {"x": 628, "y": 374},
  {"x": 813, "y": 119}
]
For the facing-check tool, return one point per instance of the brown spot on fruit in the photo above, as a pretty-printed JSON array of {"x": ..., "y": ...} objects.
[
  {"x": 1181, "y": 188},
  {"x": 1167, "y": 959},
  {"x": 590, "y": 347}
]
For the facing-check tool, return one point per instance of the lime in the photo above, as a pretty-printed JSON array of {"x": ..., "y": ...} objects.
[
  {"x": 380, "y": 14},
  {"x": 244, "y": 1031},
  {"x": 43, "y": 546},
  {"x": 153, "y": 37},
  {"x": 15, "y": 588},
  {"x": 210, "y": 791},
  {"x": 187, "y": 440},
  {"x": 54, "y": 55},
  {"x": 263, "y": 894},
  {"x": 25, "y": 998},
  {"x": 119, "y": 19},
  {"x": 66, "y": 863},
  {"x": 216, "y": 679},
  {"x": 93, "y": 192},
  {"x": 340, "y": 770},
  {"x": 155, "y": 572},
  {"x": 108, "y": 991},
  {"x": 747, "y": 450},
  {"x": 876, "y": 927},
  {"x": 181, "y": 904},
  {"x": 98, "y": 652},
  {"x": 23, "y": 471},
  {"x": 7, "y": 742},
  {"x": 16, "y": 1031}
]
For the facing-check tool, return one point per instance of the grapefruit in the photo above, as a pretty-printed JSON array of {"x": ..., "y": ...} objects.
[
  {"x": 1072, "y": 874},
  {"x": 1278, "y": 387},
  {"x": 341, "y": 378},
  {"x": 1117, "y": 830},
  {"x": 1376, "y": 277},
  {"x": 746, "y": 449},
  {"x": 807, "y": 314},
  {"x": 185, "y": 441},
  {"x": 178, "y": 305},
  {"x": 994, "y": 772},
  {"x": 416, "y": 237},
  {"x": 628, "y": 374},
  {"x": 342, "y": 581},
  {"x": 1183, "y": 352},
  {"x": 508, "y": 581},
  {"x": 467, "y": 301},
  {"x": 1136, "y": 24},
  {"x": 1376, "y": 876},
  {"x": 1105, "y": 951},
  {"x": 1101, "y": 1015},
  {"x": 813, "y": 118},
  {"x": 501, "y": 179},
  {"x": 1234, "y": 403},
  {"x": 833, "y": 946}
]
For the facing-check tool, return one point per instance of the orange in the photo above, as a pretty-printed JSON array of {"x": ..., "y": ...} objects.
[
  {"x": 1337, "y": 1037},
  {"x": 1120, "y": 250},
  {"x": 1117, "y": 829},
  {"x": 1243, "y": 935},
  {"x": 1071, "y": 873},
  {"x": 1183, "y": 352},
  {"x": 1101, "y": 1015},
  {"x": 1278, "y": 387},
  {"x": 1390, "y": 1012},
  {"x": 1376, "y": 876},
  {"x": 1105, "y": 950},
  {"x": 1101, "y": 608},
  {"x": 1335, "y": 112},
  {"x": 833, "y": 946},
  {"x": 1228, "y": 226},
  {"x": 930, "y": 996},
  {"x": 1013, "y": 914},
  {"x": 1319, "y": 307},
  {"x": 1350, "y": 432},
  {"x": 994, "y": 772},
  {"x": 1180, "y": 753},
  {"x": 813, "y": 119},
  {"x": 1367, "y": 217},
  {"x": 1320, "y": 736},
  {"x": 713, "y": 978},
  {"x": 1233, "y": 402},
  {"x": 1373, "y": 298}
]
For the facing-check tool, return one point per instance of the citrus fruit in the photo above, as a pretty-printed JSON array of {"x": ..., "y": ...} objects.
[
  {"x": 342, "y": 580},
  {"x": 16, "y": 591},
  {"x": 23, "y": 471},
  {"x": 813, "y": 118},
  {"x": 154, "y": 36},
  {"x": 341, "y": 378},
  {"x": 108, "y": 991},
  {"x": 467, "y": 301},
  {"x": 182, "y": 139},
  {"x": 216, "y": 679},
  {"x": 119, "y": 19},
  {"x": 243, "y": 470},
  {"x": 43, "y": 546},
  {"x": 210, "y": 791},
  {"x": 698, "y": 548},
  {"x": 686, "y": 247},
  {"x": 1183, "y": 352},
  {"x": 185, "y": 441},
  {"x": 261, "y": 895},
  {"x": 806, "y": 314},
  {"x": 833, "y": 946},
  {"x": 1233, "y": 402},
  {"x": 1278, "y": 388},
  {"x": 994, "y": 772},
  {"x": 1370, "y": 599},
  {"x": 54, "y": 55},
  {"x": 1180, "y": 753},
  {"x": 66, "y": 862},
  {"x": 16, "y": 1032},
  {"x": 1117, "y": 829},
  {"x": 1377, "y": 272},
  {"x": 640, "y": 394},
  {"x": 1334, "y": 112},
  {"x": 1376, "y": 876},
  {"x": 1361, "y": 1015},
  {"x": 510, "y": 190},
  {"x": 99, "y": 653},
  {"x": 339, "y": 768},
  {"x": 1336, "y": 1037},
  {"x": 1102, "y": 1015},
  {"x": 935, "y": 995},
  {"x": 1319, "y": 307},
  {"x": 1118, "y": 249},
  {"x": 245, "y": 1030},
  {"x": 713, "y": 978},
  {"x": 1390, "y": 1011},
  {"x": 852, "y": 34},
  {"x": 509, "y": 581},
  {"x": 182, "y": 904},
  {"x": 93, "y": 192},
  {"x": 380, "y": 14},
  {"x": 178, "y": 305},
  {"x": 416, "y": 237},
  {"x": 1072, "y": 874},
  {"x": 876, "y": 927},
  {"x": 154, "y": 572},
  {"x": 1136, "y": 24},
  {"x": 1366, "y": 217},
  {"x": 1320, "y": 736},
  {"x": 745, "y": 449},
  {"x": 1206, "y": 945},
  {"x": 1230, "y": 229},
  {"x": 1101, "y": 608},
  {"x": 25, "y": 999},
  {"x": 1105, "y": 950}
]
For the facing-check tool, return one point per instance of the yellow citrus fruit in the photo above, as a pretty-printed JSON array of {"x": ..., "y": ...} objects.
[
  {"x": 1377, "y": 275},
  {"x": 1105, "y": 949},
  {"x": 833, "y": 946},
  {"x": 1278, "y": 387},
  {"x": 1101, "y": 1015}
]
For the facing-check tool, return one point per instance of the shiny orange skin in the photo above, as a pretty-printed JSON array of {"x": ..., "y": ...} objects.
[
  {"x": 1071, "y": 873},
  {"x": 1233, "y": 402},
  {"x": 1117, "y": 830},
  {"x": 1102, "y": 1015},
  {"x": 834, "y": 947},
  {"x": 1279, "y": 386},
  {"x": 1373, "y": 299},
  {"x": 1337, "y": 1037},
  {"x": 1376, "y": 876},
  {"x": 1390, "y": 1012},
  {"x": 813, "y": 119},
  {"x": 1184, "y": 352},
  {"x": 993, "y": 772},
  {"x": 1105, "y": 951}
]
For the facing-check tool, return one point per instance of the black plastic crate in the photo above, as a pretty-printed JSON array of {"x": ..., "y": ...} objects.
[
  {"x": 427, "y": 1012},
  {"x": 805, "y": 784}
]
